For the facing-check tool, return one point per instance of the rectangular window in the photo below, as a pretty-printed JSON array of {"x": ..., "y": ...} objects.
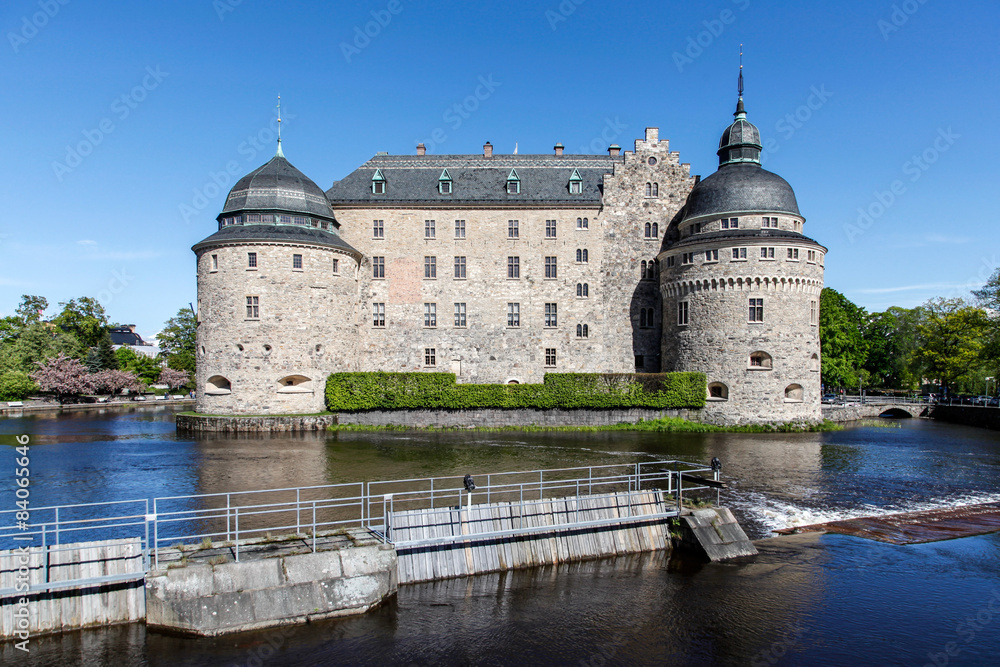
[
  {"x": 575, "y": 187},
  {"x": 253, "y": 307},
  {"x": 336, "y": 266},
  {"x": 730, "y": 223},
  {"x": 378, "y": 187},
  {"x": 640, "y": 362},
  {"x": 769, "y": 222},
  {"x": 430, "y": 267},
  {"x": 682, "y": 313},
  {"x": 215, "y": 262},
  {"x": 711, "y": 255},
  {"x": 459, "y": 314},
  {"x": 378, "y": 314},
  {"x": 550, "y": 267},
  {"x": 378, "y": 229},
  {"x": 460, "y": 229},
  {"x": 670, "y": 260},
  {"x": 696, "y": 228},
  {"x": 430, "y": 315},
  {"x": 583, "y": 223},
  {"x": 756, "y": 310},
  {"x": 550, "y": 315},
  {"x": 550, "y": 229},
  {"x": 513, "y": 229},
  {"x": 811, "y": 256},
  {"x": 460, "y": 268},
  {"x": 513, "y": 267},
  {"x": 378, "y": 267},
  {"x": 687, "y": 258},
  {"x": 767, "y": 253},
  {"x": 513, "y": 314},
  {"x": 813, "y": 313},
  {"x": 739, "y": 254},
  {"x": 430, "y": 356},
  {"x": 793, "y": 254},
  {"x": 550, "y": 356},
  {"x": 429, "y": 231},
  {"x": 296, "y": 261},
  {"x": 252, "y": 260}
]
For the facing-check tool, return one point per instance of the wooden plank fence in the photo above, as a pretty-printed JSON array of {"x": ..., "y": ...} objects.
[{"x": 634, "y": 532}]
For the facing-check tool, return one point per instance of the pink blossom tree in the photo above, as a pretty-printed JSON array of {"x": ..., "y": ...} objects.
[
  {"x": 112, "y": 382},
  {"x": 63, "y": 376},
  {"x": 174, "y": 378}
]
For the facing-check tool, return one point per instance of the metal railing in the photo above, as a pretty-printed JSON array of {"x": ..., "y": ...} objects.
[{"x": 233, "y": 521}]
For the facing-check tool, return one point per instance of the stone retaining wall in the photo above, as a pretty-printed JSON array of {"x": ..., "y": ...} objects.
[
  {"x": 509, "y": 417},
  {"x": 258, "y": 424}
]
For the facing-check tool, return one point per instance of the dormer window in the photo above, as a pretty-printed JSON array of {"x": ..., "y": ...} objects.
[
  {"x": 444, "y": 183},
  {"x": 575, "y": 183},
  {"x": 513, "y": 183},
  {"x": 378, "y": 183}
]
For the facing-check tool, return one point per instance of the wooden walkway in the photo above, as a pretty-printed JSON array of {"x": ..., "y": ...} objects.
[{"x": 555, "y": 531}]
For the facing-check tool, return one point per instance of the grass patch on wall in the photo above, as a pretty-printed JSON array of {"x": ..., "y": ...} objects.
[{"x": 662, "y": 425}]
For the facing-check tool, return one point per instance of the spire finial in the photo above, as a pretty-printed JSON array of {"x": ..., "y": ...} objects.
[
  {"x": 740, "y": 111},
  {"x": 741, "y": 71},
  {"x": 279, "y": 153}
]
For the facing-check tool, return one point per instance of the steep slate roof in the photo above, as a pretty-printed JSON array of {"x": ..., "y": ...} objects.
[
  {"x": 741, "y": 188},
  {"x": 125, "y": 336},
  {"x": 277, "y": 186},
  {"x": 475, "y": 179},
  {"x": 283, "y": 233}
]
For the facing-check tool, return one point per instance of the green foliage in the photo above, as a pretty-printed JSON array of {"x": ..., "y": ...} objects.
[
  {"x": 85, "y": 318},
  {"x": 31, "y": 308},
  {"x": 16, "y": 386},
  {"x": 145, "y": 368},
  {"x": 177, "y": 341},
  {"x": 374, "y": 391},
  {"x": 841, "y": 326},
  {"x": 662, "y": 425},
  {"x": 37, "y": 342},
  {"x": 953, "y": 338},
  {"x": 989, "y": 295}
]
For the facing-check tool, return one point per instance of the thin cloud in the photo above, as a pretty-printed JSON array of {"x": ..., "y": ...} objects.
[
  {"x": 86, "y": 242},
  {"x": 912, "y": 288},
  {"x": 940, "y": 238}
]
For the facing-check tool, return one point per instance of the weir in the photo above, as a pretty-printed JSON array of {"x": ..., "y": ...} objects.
[{"x": 214, "y": 563}]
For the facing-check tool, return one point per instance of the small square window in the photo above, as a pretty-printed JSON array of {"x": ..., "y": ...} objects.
[
  {"x": 670, "y": 261},
  {"x": 253, "y": 307},
  {"x": 730, "y": 223},
  {"x": 513, "y": 187},
  {"x": 767, "y": 253},
  {"x": 550, "y": 357},
  {"x": 297, "y": 261},
  {"x": 793, "y": 254},
  {"x": 687, "y": 258},
  {"x": 444, "y": 187},
  {"x": 251, "y": 260},
  {"x": 378, "y": 187},
  {"x": 430, "y": 356},
  {"x": 756, "y": 310},
  {"x": 739, "y": 254},
  {"x": 711, "y": 255},
  {"x": 575, "y": 187}
]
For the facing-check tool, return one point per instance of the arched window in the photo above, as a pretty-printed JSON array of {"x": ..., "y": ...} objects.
[
  {"x": 718, "y": 392},
  {"x": 579, "y": 331},
  {"x": 586, "y": 223},
  {"x": 649, "y": 189},
  {"x": 582, "y": 290},
  {"x": 295, "y": 384},
  {"x": 814, "y": 363},
  {"x": 586, "y": 331},
  {"x": 793, "y": 393},
  {"x": 656, "y": 231},
  {"x": 760, "y": 361},
  {"x": 656, "y": 189},
  {"x": 217, "y": 385},
  {"x": 649, "y": 230},
  {"x": 586, "y": 257},
  {"x": 642, "y": 270},
  {"x": 582, "y": 257}
]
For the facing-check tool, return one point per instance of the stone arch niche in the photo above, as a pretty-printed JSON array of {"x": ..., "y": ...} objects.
[
  {"x": 760, "y": 361},
  {"x": 295, "y": 384},
  {"x": 793, "y": 393},
  {"x": 718, "y": 391},
  {"x": 218, "y": 385}
]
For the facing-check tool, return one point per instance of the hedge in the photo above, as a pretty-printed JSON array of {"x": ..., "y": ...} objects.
[{"x": 387, "y": 391}]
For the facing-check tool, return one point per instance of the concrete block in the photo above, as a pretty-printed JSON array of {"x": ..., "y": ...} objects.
[
  {"x": 308, "y": 568},
  {"x": 193, "y": 580},
  {"x": 361, "y": 591},
  {"x": 366, "y": 560},
  {"x": 247, "y": 575}
]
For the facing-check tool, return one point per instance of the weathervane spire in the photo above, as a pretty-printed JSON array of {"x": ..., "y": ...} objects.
[
  {"x": 279, "y": 153},
  {"x": 740, "y": 111}
]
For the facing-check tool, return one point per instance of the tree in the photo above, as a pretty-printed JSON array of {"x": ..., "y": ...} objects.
[
  {"x": 890, "y": 339},
  {"x": 842, "y": 342},
  {"x": 15, "y": 386},
  {"x": 952, "y": 339},
  {"x": 31, "y": 308},
  {"x": 113, "y": 381},
  {"x": 145, "y": 368},
  {"x": 36, "y": 342},
  {"x": 174, "y": 378},
  {"x": 63, "y": 376},
  {"x": 989, "y": 295},
  {"x": 178, "y": 339},
  {"x": 85, "y": 318}
]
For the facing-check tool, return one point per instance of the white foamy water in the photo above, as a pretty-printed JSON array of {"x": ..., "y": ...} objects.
[{"x": 778, "y": 514}]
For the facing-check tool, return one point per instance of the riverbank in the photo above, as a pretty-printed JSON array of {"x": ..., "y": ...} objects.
[{"x": 12, "y": 409}]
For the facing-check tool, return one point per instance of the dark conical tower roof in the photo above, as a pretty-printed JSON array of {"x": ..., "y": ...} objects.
[{"x": 278, "y": 186}]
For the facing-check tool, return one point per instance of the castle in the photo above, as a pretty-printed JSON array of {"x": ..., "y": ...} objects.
[{"x": 500, "y": 268}]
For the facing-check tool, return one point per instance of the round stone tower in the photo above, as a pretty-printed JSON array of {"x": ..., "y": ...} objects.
[
  {"x": 741, "y": 285},
  {"x": 278, "y": 294}
]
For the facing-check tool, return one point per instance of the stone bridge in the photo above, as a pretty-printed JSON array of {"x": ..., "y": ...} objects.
[{"x": 968, "y": 415}]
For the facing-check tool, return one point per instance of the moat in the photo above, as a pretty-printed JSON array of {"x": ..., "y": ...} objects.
[{"x": 806, "y": 599}]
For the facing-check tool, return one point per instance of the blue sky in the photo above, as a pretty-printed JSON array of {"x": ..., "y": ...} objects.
[{"x": 122, "y": 119}]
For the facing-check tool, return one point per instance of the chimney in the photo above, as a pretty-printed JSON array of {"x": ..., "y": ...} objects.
[
  {"x": 421, "y": 149},
  {"x": 558, "y": 149},
  {"x": 487, "y": 149},
  {"x": 614, "y": 150},
  {"x": 131, "y": 327}
]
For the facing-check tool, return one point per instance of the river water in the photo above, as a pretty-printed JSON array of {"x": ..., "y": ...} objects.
[{"x": 805, "y": 600}]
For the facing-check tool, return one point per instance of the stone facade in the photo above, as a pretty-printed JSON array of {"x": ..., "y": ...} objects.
[{"x": 501, "y": 268}]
